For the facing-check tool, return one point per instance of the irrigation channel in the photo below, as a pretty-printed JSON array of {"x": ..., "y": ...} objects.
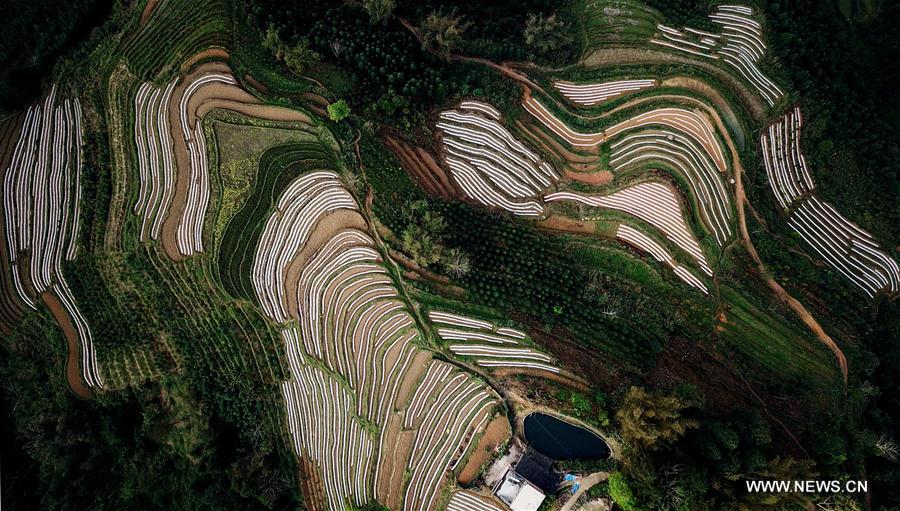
[{"x": 561, "y": 440}]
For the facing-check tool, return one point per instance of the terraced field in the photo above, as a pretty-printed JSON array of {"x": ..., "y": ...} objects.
[
  {"x": 848, "y": 249},
  {"x": 41, "y": 208},
  {"x": 351, "y": 348},
  {"x": 299, "y": 306}
]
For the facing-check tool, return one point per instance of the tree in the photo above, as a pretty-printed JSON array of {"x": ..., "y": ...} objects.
[
  {"x": 379, "y": 10},
  {"x": 620, "y": 491},
  {"x": 545, "y": 34},
  {"x": 441, "y": 33},
  {"x": 298, "y": 58},
  {"x": 457, "y": 263},
  {"x": 272, "y": 42},
  {"x": 651, "y": 421},
  {"x": 338, "y": 111}
]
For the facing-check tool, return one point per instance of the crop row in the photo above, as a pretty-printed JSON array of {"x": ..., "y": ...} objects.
[
  {"x": 843, "y": 245},
  {"x": 297, "y": 211},
  {"x": 156, "y": 156},
  {"x": 785, "y": 165},
  {"x": 682, "y": 154},
  {"x": 41, "y": 196},
  {"x": 491, "y": 346},
  {"x": 463, "y": 500},
  {"x": 652, "y": 202},
  {"x": 489, "y": 163},
  {"x": 590, "y": 94},
  {"x": 460, "y": 408},
  {"x": 643, "y": 242},
  {"x": 740, "y": 45},
  {"x": 321, "y": 422}
]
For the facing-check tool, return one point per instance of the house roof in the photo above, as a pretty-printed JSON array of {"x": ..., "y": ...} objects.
[{"x": 538, "y": 469}]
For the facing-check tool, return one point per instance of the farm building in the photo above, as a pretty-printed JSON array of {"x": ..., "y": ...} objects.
[{"x": 523, "y": 488}]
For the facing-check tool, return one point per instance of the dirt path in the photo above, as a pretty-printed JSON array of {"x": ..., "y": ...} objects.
[
  {"x": 780, "y": 292},
  {"x": 586, "y": 484},
  {"x": 73, "y": 371},
  {"x": 503, "y": 68}
]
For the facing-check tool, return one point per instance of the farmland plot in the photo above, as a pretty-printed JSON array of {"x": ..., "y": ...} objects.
[
  {"x": 653, "y": 202},
  {"x": 490, "y": 165},
  {"x": 785, "y": 165},
  {"x": 41, "y": 204},
  {"x": 173, "y": 165},
  {"x": 591, "y": 94},
  {"x": 490, "y": 346},
  {"x": 846, "y": 247},
  {"x": 739, "y": 45},
  {"x": 643, "y": 242},
  {"x": 463, "y": 500},
  {"x": 364, "y": 403}
]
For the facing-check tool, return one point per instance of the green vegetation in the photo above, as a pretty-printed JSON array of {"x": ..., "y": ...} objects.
[
  {"x": 338, "y": 111},
  {"x": 278, "y": 166},
  {"x": 176, "y": 32},
  {"x": 704, "y": 391}
]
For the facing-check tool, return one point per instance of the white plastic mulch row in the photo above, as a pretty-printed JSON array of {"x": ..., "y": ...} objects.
[
  {"x": 547, "y": 118},
  {"x": 297, "y": 211},
  {"x": 682, "y": 154},
  {"x": 491, "y": 346},
  {"x": 653, "y": 202},
  {"x": 643, "y": 242},
  {"x": 740, "y": 45},
  {"x": 845, "y": 247},
  {"x": 458, "y": 411},
  {"x": 690, "y": 122},
  {"x": 189, "y": 233},
  {"x": 785, "y": 165},
  {"x": 590, "y": 94},
  {"x": 323, "y": 427},
  {"x": 41, "y": 195},
  {"x": 490, "y": 165},
  {"x": 484, "y": 108},
  {"x": 156, "y": 156},
  {"x": 462, "y": 500},
  {"x": 350, "y": 347}
]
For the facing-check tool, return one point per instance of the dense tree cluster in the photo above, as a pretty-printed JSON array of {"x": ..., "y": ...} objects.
[{"x": 35, "y": 33}]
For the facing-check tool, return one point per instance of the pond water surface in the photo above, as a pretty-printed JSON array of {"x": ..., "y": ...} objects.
[{"x": 561, "y": 440}]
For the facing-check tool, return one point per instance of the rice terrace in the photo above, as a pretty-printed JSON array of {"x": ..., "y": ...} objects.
[{"x": 435, "y": 255}]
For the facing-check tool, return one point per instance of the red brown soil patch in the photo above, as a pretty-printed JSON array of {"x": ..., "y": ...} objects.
[
  {"x": 264, "y": 112},
  {"x": 497, "y": 432},
  {"x": 311, "y": 485},
  {"x": 413, "y": 375},
  {"x": 148, "y": 11},
  {"x": 389, "y": 439},
  {"x": 316, "y": 99},
  {"x": 422, "y": 167},
  {"x": 394, "y": 468},
  {"x": 325, "y": 229},
  {"x": 602, "y": 177},
  {"x": 207, "y": 54},
  {"x": 73, "y": 370},
  {"x": 566, "y": 224}
]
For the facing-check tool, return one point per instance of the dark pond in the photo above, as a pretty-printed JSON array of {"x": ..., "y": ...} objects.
[{"x": 563, "y": 441}]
